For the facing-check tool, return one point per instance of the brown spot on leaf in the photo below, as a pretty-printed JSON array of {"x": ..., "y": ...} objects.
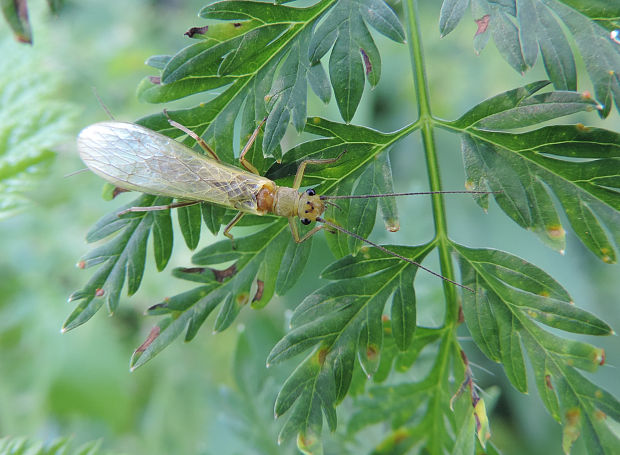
[
  {"x": 193, "y": 270},
  {"x": 598, "y": 394},
  {"x": 99, "y": 292},
  {"x": 242, "y": 298},
  {"x": 196, "y": 31},
  {"x": 152, "y": 337},
  {"x": 385, "y": 317},
  {"x": 400, "y": 435},
  {"x": 260, "y": 287},
  {"x": 155, "y": 80},
  {"x": 461, "y": 317},
  {"x": 81, "y": 265},
  {"x": 599, "y": 415},
  {"x": 572, "y": 416},
  {"x": 582, "y": 127},
  {"x": 548, "y": 382},
  {"x": 600, "y": 356},
  {"x": 392, "y": 225},
  {"x": 322, "y": 354},
  {"x": 482, "y": 24},
  {"x": 367, "y": 63},
  {"x": 221, "y": 275},
  {"x": 556, "y": 231},
  {"x": 157, "y": 306},
  {"x": 237, "y": 24},
  {"x": 372, "y": 352}
]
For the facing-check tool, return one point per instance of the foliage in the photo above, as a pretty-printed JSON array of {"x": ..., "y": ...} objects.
[
  {"x": 62, "y": 446},
  {"x": 256, "y": 62},
  {"x": 16, "y": 15},
  {"x": 31, "y": 124}
]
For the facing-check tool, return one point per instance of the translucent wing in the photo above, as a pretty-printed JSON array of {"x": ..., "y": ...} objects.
[{"x": 138, "y": 159}]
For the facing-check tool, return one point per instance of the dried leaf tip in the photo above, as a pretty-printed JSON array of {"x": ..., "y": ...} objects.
[
  {"x": 196, "y": 31},
  {"x": 482, "y": 24}
]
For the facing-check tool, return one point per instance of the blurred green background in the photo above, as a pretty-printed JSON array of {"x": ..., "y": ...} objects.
[{"x": 214, "y": 395}]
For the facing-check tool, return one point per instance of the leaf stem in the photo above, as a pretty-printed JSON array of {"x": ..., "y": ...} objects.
[{"x": 427, "y": 126}]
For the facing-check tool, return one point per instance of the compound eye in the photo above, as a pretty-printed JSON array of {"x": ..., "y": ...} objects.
[
  {"x": 310, "y": 192},
  {"x": 305, "y": 221}
]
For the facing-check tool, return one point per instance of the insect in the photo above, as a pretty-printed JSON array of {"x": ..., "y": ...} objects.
[{"x": 136, "y": 158}]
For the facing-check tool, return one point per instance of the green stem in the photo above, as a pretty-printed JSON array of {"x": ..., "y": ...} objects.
[{"x": 426, "y": 122}]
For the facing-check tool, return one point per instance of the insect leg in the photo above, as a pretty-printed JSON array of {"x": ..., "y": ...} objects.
[
  {"x": 245, "y": 163},
  {"x": 302, "y": 168},
  {"x": 295, "y": 231},
  {"x": 230, "y": 225},
  {"x": 154, "y": 208},
  {"x": 194, "y": 136}
]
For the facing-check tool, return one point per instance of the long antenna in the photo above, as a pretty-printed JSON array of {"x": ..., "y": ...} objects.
[
  {"x": 365, "y": 196},
  {"x": 392, "y": 253}
]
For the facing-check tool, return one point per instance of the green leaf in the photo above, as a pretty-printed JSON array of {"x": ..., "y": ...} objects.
[
  {"x": 451, "y": 13},
  {"x": 213, "y": 216},
  {"x": 600, "y": 54},
  {"x": 354, "y": 51},
  {"x": 288, "y": 94},
  {"x": 32, "y": 124},
  {"x": 520, "y": 27},
  {"x": 122, "y": 258},
  {"x": 162, "y": 236},
  {"x": 319, "y": 82},
  {"x": 57, "y": 446},
  {"x": 16, "y": 14},
  {"x": 555, "y": 50},
  {"x": 511, "y": 297},
  {"x": 346, "y": 72},
  {"x": 403, "y": 312},
  {"x": 292, "y": 265},
  {"x": 190, "y": 221},
  {"x": 383, "y": 19},
  {"x": 342, "y": 316},
  {"x": 526, "y": 167}
]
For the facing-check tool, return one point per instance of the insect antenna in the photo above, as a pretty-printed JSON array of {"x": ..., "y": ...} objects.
[
  {"x": 102, "y": 104},
  {"x": 364, "y": 196},
  {"x": 392, "y": 253},
  {"x": 79, "y": 171}
]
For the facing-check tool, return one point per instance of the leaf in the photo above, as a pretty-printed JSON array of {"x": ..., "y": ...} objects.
[
  {"x": 57, "y": 446},
  {"x": 229, "y": 288},
  {"x": 260, "y": 49},
  {"x": 520, "y": 27},
  {"x": 526, "y": 167},
  {"x": 451, "y": 13},
  {"x": 419, "y": 411},
  {"x": 354, "y": 51},
  {"x": 511, "y": 297},
  {"x": 246, "y": 55},
  {"x": 190, "y": 221},
  {"x": 162, "y": 237},
  {"x": 342, "y": 317},
  {"x": 32, "y": 124},
  {"x": 16, "y": 14},
  {"x": 122, "y": 260},
  {"x": 346, "y": 72}
]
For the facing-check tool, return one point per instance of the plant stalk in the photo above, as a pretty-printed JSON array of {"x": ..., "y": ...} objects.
[{"x": 427, "y": 129}]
